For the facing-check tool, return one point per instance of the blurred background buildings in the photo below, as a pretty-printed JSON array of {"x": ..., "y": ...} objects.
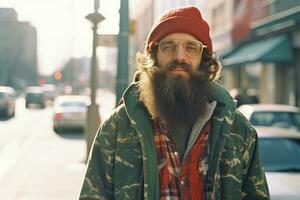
[
  {"x": 18, "y": 51},
  {"x": 258, "y": 42}
]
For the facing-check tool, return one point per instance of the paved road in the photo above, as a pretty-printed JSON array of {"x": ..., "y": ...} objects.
[{"x": 35, "y": 162}]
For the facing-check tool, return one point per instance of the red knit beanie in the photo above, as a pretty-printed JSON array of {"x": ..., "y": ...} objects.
[{"x": 180, "y": 20}]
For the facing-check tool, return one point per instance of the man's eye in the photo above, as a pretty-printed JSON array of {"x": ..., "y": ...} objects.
[
  {"x": 191, "y": 48},
  {"x": 168, "y": 47}
]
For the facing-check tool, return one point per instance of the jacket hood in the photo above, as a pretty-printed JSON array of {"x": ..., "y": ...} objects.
[{"x": 226, "y": 106}]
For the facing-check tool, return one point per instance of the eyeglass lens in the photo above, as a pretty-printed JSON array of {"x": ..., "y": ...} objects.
[{"x": 191, "y": 48}]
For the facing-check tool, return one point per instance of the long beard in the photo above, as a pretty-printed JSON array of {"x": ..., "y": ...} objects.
[{"x": 178, "y": 102}]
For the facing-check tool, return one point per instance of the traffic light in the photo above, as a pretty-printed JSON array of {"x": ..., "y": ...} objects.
[{"x": 58, "y": 75}]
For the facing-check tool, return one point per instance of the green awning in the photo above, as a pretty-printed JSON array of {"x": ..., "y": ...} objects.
[{"x": 275, "y": 50}]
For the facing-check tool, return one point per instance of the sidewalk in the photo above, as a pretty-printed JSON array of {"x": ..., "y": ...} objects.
[{"x": 50, "y": 169}]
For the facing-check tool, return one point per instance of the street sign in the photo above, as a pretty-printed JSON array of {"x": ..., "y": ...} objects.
[{"x": 107, "y": 40}]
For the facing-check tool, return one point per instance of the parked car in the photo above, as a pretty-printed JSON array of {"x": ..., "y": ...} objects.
[
  {"x": 244, "y": 96},
  {"x": 35, "y": 97},
  {"x": 7, "y": 101},
  {"x": 70, "y": 112},
  {"x": 283, "y": 116},
  {"x": 280, "y": 153}
]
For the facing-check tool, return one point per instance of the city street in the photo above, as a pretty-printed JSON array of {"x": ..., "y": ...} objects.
[
  {"x": 35, "y": 162},
  {"x": 186, "y": 90}
]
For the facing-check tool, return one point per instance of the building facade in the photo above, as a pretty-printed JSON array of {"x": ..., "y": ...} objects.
[
  {"x": 18, "y": 51},
  {"x": 258, "y": 41}
]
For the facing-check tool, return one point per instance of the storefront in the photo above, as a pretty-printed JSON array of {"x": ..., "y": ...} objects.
[{"x": 273, "y": 52}]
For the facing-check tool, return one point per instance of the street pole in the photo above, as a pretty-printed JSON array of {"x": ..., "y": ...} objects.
[
  {"x": 122, "y": 72},
  {"x": 93, "y": 117}
]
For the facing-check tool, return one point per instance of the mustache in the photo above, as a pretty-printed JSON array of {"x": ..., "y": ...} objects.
[
  {"x": 196, "y": 73},
  {"x": 174, "y": 64}
]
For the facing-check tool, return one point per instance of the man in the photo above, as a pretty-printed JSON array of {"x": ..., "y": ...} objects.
[{"x": 176, "y": 134}]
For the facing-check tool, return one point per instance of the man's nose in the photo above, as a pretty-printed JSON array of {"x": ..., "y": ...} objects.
[{"x": 180, "y": 54}]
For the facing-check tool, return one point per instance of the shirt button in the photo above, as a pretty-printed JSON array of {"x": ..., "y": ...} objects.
[
  {"x": 182, "y": 182},
  {"x": 175, "y": 153}
]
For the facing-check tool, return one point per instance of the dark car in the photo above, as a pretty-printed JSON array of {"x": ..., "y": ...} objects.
[
  {"x": 35, "y": 97},
  {"x": 244, "y": 96},
  {"x": 7, "y": 101}
]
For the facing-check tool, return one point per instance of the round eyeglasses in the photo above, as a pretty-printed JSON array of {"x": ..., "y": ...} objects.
[{"x": 192, "y": 48}]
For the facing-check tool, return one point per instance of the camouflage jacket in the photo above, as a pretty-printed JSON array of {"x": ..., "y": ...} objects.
[{"x": 123, "y": 165}]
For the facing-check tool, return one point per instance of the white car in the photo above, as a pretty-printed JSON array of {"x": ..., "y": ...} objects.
[
  {"x": 70, "y": 112},
  {"x": 280, "y": 153},
  {"x": 275, "y": 115}
]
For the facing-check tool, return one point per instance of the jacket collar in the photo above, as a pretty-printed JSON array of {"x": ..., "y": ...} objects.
[{"x": 226, "y": 107}]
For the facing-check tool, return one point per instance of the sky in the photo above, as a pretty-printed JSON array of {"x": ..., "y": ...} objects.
[{"x": 63, "y": 32}]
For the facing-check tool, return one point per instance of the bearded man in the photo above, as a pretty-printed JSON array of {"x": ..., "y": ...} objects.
[{"x": 177, "y": 133}]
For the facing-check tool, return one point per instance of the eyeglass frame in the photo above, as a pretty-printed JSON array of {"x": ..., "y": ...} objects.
[{"x": 176, "y": 41}]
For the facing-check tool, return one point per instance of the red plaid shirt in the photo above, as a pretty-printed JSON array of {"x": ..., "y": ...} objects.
[{"x": 184, "y": 180}]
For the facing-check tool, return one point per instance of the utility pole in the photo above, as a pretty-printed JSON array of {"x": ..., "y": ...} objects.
[
  {"x": 122, "y": 72},
  {"x": 93, "y": 117}
]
